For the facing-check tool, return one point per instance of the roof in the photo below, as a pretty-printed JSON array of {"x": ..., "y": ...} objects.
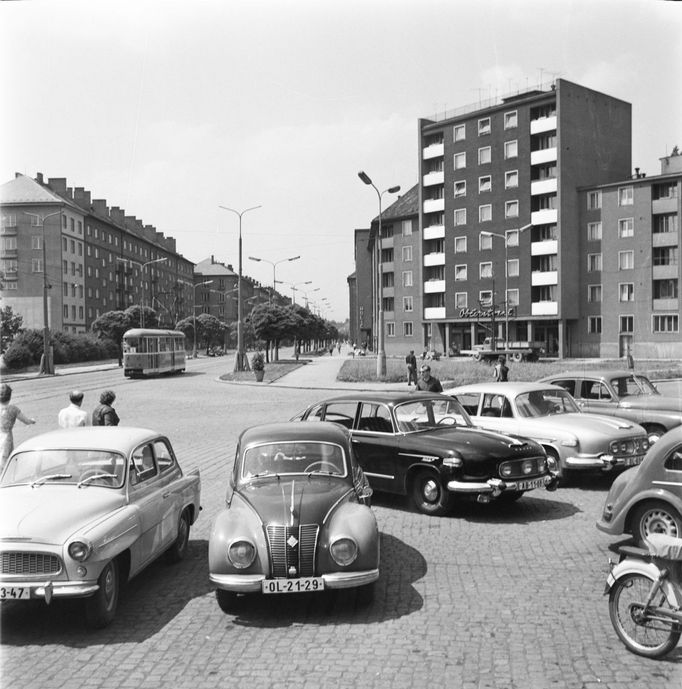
[
  {"x": 508, "y": 388},
  {"x": 595, "y": 373},
  {"x": 385, "y": 397},
  {"x": 112, "y": 438},
  {"x": 209, "y": 266},
  {"x": 298, "y": 431},
  {"x": 24, "y": 189},
  {"x": 403, "y": 206}
]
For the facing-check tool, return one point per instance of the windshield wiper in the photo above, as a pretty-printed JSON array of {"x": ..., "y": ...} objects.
[
  {"x": 87, "y": 479},
  {"x": 51, "y": 477}
]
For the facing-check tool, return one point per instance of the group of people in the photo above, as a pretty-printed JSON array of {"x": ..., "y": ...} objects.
[
  {"x": 103, "y": 414},
  {"x": 429, "y": 383}
]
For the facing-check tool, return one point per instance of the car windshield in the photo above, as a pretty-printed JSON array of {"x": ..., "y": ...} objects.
[
  {"x": 631, "y": 385},
  {"x": 420, "y": 415},
  {"x": 545, "y": 402},
  {"x": 280, "y": 459},
  {"x": 66, "y": 467}
]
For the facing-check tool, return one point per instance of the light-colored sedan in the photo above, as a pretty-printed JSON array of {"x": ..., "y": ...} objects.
[
  {"x": 550, "y": 416},
  {"x": 83, "y": 510}
]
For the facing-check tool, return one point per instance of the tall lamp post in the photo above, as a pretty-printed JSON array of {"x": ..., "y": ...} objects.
[
  {"x": 46, "y": 361},
  {"x": 294, "y": 287},
  {"x": 144, "y": 265},
  {"x": 305, "y": 295},
  {"x": 241, "y": 363},
  {"x": 274, "y": 266},
  {"x": 381, "y": 354},
  {"x": 194, "y": 313}
]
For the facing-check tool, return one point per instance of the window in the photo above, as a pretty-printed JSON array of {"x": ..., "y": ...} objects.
[
  {"x": 66, "y": 289},
  {"x": 626, "y": 260},
  {"x": 461, "y": 300},
  {"x": 460, "y": 245},
  {"x": 594, "y": 293},
  {"x": 459, "y": 132},
  {"x": 388, "y": 304},
  {"x": 408, "y": 304},
  {"x": 513, "y": 267},
  {"x": 461, "y": 216},
  {"x": 511, "y": 119},
  {"x": 485, "y": 213},
  {"x": 665, "y": 324},
  {"x": 9, "y": 265},
  {"x": 390, "y": 329},
  {"x": 407, "y": 278},
  {"x": 511, "y": 179},
  {"x": 36, "y": 265},
  {"x": 512, "y": 297},
  {"x": 9, "y": 220},
  {"x": 511, "y": 209},
  {"x": 460, "y": 189},
  {"x": 512, "y": 237},
  {"x": 485, "y": 183},
  {"x": 407, "y": 253},
  {"x": 625, "y": 196},
  {"x": 665, "y": 223},
  {"x": 484, "y": 155},
  {"x": 593, "y": 200},
  {"x": 485, "y": 270},
  {"x": 626, "y": 291},
  {"x": 407, "y": 228},
  {"x": 594, "y": 325},
  {"x": 485, "y": 242},
  {"x": 626, "y": 324},
  {"x": 593, "y": 263},
  {"x": 65, "y": 311},
  {"x": 485, "y": 297},
  {"x": 460, "y": 160},
  {"x": 626, "y": 227},
  {"x": 665, "y": 255},
  {"x": 408, "y": 329},
  {"x": 511, "y": 149},
  {"x": 665, "y": 289},
  {"x": 484, "y": 126},
  {"x": 461, "y": 272},
  {"x": 594, "y": 231}
]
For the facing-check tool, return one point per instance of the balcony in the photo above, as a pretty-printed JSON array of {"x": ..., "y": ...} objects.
[
  {"x": 544, "y": 217},
  {"x": 545, "y": 155},
  {"x": 434, "y": 312},
  {"x": 434, "y": 205},
  {"x": 432, "y": 178},
  {"x": 433, "y": 151},
  {"x": 667, "y": 205},
  {"x": 664, "y": 239},
  {"x": 666, "y": 305},
  {"x": 547, "y": 247},
  {"x": 387, "y": 242},
  {"x": 436, "y": 258},
  {"x": 543, "y": 124},
  {"x": 543, "y": 186},
  {"x": 665, "y": 272},
  {"x": 387, "y": 267},
  {"x": 544, "y": 277},
  {"x": 544, "y": 308},
  {"x": 434, "y": 232},
  {"x": 434, "y": 286}
]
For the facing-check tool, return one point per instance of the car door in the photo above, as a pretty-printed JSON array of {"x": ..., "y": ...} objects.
[
  {"x": 596, "y": 397},
  {"x": 171, "y": 490},
  {"x": 495, "y": 413}
]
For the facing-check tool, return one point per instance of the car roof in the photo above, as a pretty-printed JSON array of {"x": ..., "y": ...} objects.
[
  {"x": 385, "y": 397},
  {"x": 508, "y": 388},
  {"x": 594, "y": 373},
  {"x": 294, "y": 431},
  {"x": 112, "y": 438}
]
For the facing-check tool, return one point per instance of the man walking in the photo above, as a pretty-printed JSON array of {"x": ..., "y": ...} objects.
[
  {"x": 501, "y": 370},
  {"x": 73, "y": 415},
  {"x": 428, "y": 383},
  {"x": 411, "y": 363}
]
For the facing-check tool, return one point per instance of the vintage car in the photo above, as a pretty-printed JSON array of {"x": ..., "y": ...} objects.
[
  {"x": 83, "y": 510},
  {"x": 424, "y": 445},
  {"x": 648, "y": 498},
  {"x": 297, "y": 517},
  {"x": 550, "y": 416},
  {"x": 625, "y": 394}
]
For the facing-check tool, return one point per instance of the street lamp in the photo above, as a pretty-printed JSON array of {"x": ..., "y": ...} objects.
[
  {"x": 144, "y": 265},
  {"x": 46, "y": 362},
  {"x": 294, "y": 287},
  {"x": 194, "y": 313},
  {"x": 274, "y": 265},
  {"x": 381, "y": 354},
  {"x": 241, "y": 363},
  {"x": 305, "y": 295}
]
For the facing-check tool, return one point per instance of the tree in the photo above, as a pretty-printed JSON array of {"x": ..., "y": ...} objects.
[
  {"x": 11, "y": 325},
  {"x": 112, "y": 325},
  {"x": 210, "y": 330},
  {"x": 151, "y": 318}
]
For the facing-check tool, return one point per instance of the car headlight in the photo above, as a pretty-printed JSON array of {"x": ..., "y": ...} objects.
[
  {"x": 241, "y": 553},
  {"x": 569, "y": 442},
  {"x": 453, "y": 462},
  {"x": 344, "y": 551},
  {"x": 80, "y": 550}
]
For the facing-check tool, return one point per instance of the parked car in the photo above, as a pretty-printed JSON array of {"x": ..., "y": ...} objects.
[
  {"x": 648, "y": 498},
  {"x": 297, "y": 516},
  {"x": 550, "y": 416},
  {"x": 83, "y": 510},
  {"x": 625, "y": 394},
  {"x": 424, "y": 445}
]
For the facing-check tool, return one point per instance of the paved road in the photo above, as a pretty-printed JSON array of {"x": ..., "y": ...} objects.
[{"x": 490, "y": 597}]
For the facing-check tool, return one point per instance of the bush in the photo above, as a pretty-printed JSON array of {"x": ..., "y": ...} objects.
[{"x": 258, "y": 361}]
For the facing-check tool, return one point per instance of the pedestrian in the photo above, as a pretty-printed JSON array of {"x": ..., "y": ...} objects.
[
  {"x": 73, "y": 415},
  {"x": 501, "y": 370},
  {"x": 9, "y": 413},
  {"x": 427, "y": 382},
  {"x": 104, "y": 414},
  {"x": 411, "y": 363},
  {"x": 331, "y": 350}
]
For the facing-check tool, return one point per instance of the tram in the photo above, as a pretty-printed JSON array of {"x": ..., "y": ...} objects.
[{"x": 149, "y": 352}]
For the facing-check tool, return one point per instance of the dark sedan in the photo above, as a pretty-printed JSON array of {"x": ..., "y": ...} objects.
[{"x": 425, "y": 446}]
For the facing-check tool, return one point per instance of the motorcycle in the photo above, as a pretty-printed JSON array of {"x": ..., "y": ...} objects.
[{"x": 645, "y": 595}]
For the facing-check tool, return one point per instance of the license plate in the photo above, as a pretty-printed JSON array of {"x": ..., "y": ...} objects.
[
  {"x": 14, "y": 593},
  {"x": 632, "y": 461},
  {"x": 302, "y": 585},
  {"x": 526, "y": 485}
]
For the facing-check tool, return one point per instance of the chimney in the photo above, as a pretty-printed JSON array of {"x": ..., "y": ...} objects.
[
  {"x": 39, "y": 178},
  {"x": 81, "y": 197},
  {"x": 57, "y": 184},
  {"x": 117, "y": 215},
  {"x": 99, "y": 206}
]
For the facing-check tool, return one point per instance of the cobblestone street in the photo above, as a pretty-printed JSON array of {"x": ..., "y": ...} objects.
[{"x": 506, "y": 596}]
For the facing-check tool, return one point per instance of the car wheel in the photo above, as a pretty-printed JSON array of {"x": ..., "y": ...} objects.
[
  {"x": 428, "y": 493},
  {"x": 511, "y": 495},
  {"x": 654, "y": 432},
  {"x": 655, "y": 517},
  {"x": 178, "y": 550},
  {"x": 101, "y": 608},
  {"x": 365, "y": 594},
  {"x": 229, "y": 601},
  {"x": 554, "y": 463}
]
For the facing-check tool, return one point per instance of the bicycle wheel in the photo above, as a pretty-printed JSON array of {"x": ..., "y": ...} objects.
[{"x": 643, "y": 635}]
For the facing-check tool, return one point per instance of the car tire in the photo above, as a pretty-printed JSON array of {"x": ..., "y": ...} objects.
[
  {"x": 655, "y": 516},
  {"x": 429, "y": 495},
  {"x": 229, "y": 601},
  {"x": 554, "y": 464},
  {"x": 654, "y": 432},
  {"x": 178, "y": 551},
  {"x": 364, "y": 595},
  {"x": 510, "y": 496},
  {"x": 100, "y": 609}
]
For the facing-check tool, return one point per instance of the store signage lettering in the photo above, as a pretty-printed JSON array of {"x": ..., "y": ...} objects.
[{"x": 485, "y": 313}]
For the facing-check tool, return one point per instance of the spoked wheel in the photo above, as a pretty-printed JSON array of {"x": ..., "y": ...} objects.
[
  {"x": 428, "y": 493},
  {"x": 638, "y": 629}
]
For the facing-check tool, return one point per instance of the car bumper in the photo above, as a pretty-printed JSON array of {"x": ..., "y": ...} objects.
[
  {"x": 48, "y": 590},
  {"x": 496, "y": 486},
  {"x": 604, "y": 462},
  {"x": 252, "y": 583}
]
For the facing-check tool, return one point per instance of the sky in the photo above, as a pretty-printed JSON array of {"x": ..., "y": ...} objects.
[{"x": 171, "y": 109}]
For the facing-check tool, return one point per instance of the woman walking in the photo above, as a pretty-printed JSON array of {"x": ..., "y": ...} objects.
[{"x": 9, "y": 413}]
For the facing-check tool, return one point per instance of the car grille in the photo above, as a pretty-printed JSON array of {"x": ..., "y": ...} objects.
[
  {"x": 30, "y": 563},
  {"x": 292, "y": 547},
  {"x": 522, "y": 468}
]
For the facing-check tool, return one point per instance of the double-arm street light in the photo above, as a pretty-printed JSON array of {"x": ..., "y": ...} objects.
[
  {"x": 294, "y": 287},
  {"x": 305, "y": 294},
  {"x": 194, "y": 313},
  {"x": 46, "y": 362},
  {"x": 241, "y": 363},
  {"x": 274, "y": 265},
  {"x": 381, "y": 354}
]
